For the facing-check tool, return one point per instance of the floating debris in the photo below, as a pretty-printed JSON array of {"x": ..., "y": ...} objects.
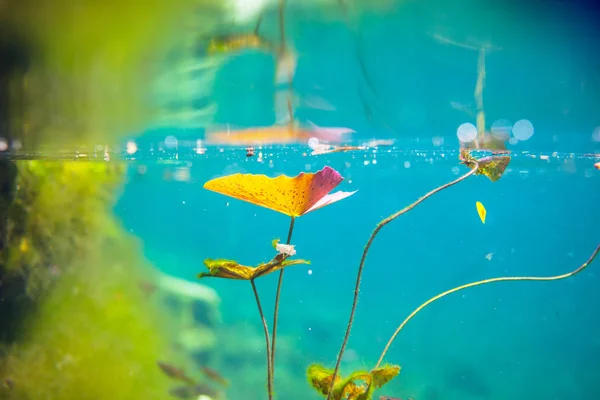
[
  {"x": 481, "y": 211},
  {"x": 380, "y": 143},
  {"x": 335, "y": 149}
]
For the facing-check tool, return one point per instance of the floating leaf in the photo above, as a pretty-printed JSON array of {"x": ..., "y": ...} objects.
[
  {"x": 291, "y": 196},
  {"x": 275, "y": 134},
  {"x": 230, "y": 269},
  {"x": 481, "y": 211},
  {"x": 493, "y": 167},
  {"x": 383, "y": 375},
  {"x": 236, "y": 42}
]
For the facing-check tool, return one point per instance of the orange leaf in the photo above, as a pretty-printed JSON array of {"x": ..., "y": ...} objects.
[{"x": 291, "y": 196}]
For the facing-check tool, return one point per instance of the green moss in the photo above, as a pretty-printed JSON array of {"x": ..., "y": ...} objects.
[
  {"x": 54, "y": 210},
  {"x": 93, "y": 333}
]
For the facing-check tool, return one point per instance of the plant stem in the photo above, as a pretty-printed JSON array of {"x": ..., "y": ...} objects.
[
  {"x": 478, "y": 283},
  {"x": 258, "y": 22},
  {"x": 289, "y": 238},
  {"x": 364, "y": 256},
  {"x": 264, "y": 322},
  {"x": 282, "y": 53}
]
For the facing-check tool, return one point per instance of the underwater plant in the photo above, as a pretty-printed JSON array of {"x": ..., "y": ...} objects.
[
  {"x": 308, "y": 192},
  {"x": 292, "y": 196},
  {"x": 71, "y": 300}
]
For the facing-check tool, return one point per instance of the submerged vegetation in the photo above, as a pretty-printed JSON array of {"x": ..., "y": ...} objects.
[
  {"x": 79, "y": 325},
  {"x": 305, "y": 192},
  {"x": 76, "y": 324}
]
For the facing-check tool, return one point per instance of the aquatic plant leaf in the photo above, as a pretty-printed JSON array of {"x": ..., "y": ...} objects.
[
  {"x": 346, "y": 389},
  {"x": 481, "y": 211},
  {"x": 291, "y": 196},
  {"x": 368, "y": 394},
  {"x": 383, "y": 375},
  {"x": 236, "y": 42},
  {"x": 350, "y": 389},
  {"x": 493, "y": 167},
  {"x": 329, "y": 199},
  {"x": 319, "y": 378},
  {"x": 230, "y": 269}
]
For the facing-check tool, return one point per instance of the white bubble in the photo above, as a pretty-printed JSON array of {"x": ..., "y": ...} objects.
[
  {"x": 313, "y": 143},
  {"x": 406, "y": 164},
  {"x": 310, "y": 271},
  {"x": 3, "y": 145},
  {"x": 171, "y": 141},
  {"x": 596, "y": 134},
  {"x": 131, "y": 147},
  {"x": 522, "y": 129},
  {"x": 501, "y": 129},
  {"x": 466, "y": 132}
]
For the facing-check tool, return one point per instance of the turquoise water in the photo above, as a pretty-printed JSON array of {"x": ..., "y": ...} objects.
[
  {"x": 508, "y": 339},
  {"x": 399, "y": 71},
  {"x": 398, "y": 79}
]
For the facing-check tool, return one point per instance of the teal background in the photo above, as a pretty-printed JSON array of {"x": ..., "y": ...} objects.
[{"x": 534, "y": 340}]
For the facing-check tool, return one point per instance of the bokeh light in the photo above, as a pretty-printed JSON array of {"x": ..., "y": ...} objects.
[
  {"x": 171, "y": 141},
  {"x": 522, "y": 129},
  {"x": 466, "y": 132},
  {"x": 596, "y": 134},
  {"x": 131, "y": 147},
  {"x": 313, "y": 143}
]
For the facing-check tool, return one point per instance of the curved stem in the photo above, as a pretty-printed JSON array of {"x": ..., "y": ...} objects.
[
  {"x": 364, "y": 256},
  {"x": 264, "y": 322},
  {"x": 478, "y": 283},
  {"x": 289, "y": 238},
  {"x": 258, "y": 22}
]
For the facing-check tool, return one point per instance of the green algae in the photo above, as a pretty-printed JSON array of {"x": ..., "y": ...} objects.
[
  {"x": 91, "y": 66},
  {"x": 90, "y": 332}
]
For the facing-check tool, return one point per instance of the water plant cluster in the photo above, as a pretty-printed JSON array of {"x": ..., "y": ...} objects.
[{"x": 307, "y": 192}]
